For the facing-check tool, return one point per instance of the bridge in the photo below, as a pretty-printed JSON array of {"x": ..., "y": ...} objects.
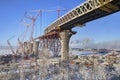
[{"x": 57, "y": 35}]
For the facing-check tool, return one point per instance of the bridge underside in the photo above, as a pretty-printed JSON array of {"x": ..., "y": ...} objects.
[
  {"x": 105, "y": 10},
  {"x": 88, "y": 11}
]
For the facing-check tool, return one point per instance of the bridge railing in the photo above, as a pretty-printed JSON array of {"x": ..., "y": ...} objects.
[{"x": 80, "y": 10}]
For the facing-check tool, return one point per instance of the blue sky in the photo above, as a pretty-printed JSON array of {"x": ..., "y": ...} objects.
[{"x": 12, "y": 11}]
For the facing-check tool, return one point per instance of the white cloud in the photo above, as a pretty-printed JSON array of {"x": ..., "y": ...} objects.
[{"x": 90, "y": 43}]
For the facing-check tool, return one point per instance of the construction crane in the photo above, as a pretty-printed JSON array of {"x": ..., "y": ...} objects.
[
  {"x": 26, "y": 30},
  {"x": 20, "y": 43},
  {"x": 10, "y": 46},
  {"x": 41, "y": 11},
  {"x": 33, "y": 23},
  {"x": 58, "y": 11}
]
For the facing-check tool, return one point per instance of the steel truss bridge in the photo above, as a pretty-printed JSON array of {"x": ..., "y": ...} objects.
[{"x": 83, "y": 13}]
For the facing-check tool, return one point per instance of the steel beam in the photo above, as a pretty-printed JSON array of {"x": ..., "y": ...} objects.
[{"x": 69, "y": 20}]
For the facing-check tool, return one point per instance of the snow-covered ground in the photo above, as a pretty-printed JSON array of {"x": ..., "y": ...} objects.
[
  {"x": 6, "y": 51},
  {"x": 83, "y": 67}
]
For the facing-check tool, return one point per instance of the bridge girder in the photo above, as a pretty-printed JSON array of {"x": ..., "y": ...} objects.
[{"x": 85, "y": 12}]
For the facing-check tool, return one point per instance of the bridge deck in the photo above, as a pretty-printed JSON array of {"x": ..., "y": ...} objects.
[{"x": 85, "y": 12}]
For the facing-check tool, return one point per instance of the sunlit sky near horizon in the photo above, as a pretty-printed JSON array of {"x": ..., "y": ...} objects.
[{"x": 12, "y": 11}]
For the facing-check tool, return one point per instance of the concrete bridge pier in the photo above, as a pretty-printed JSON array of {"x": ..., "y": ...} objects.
[
  {"x": 35, "y": 48},
  {"x": 64, "y": 39},
  {"x": 30, "y": 47}
]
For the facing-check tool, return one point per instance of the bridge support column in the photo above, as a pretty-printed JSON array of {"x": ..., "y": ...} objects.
[
  {"x": 65, "y": 37},
  {"x": 35, "y": 48}
]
